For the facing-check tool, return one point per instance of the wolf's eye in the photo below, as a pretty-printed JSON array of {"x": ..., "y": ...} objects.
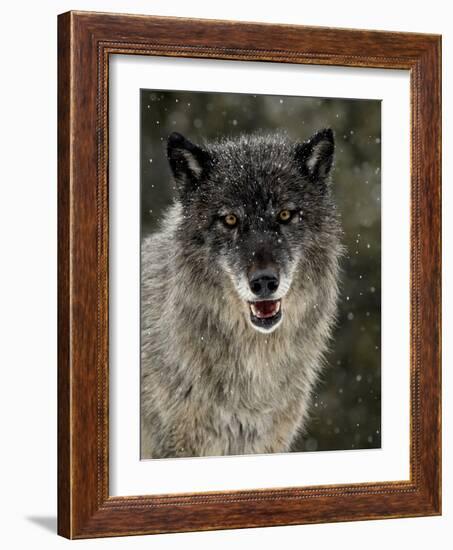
[
  {"x": 284, "y": 216},
  {"x": 230, "y": 220}
]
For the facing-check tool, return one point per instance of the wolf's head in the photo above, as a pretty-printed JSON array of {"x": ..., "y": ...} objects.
[{"x": 260, "y": 209}]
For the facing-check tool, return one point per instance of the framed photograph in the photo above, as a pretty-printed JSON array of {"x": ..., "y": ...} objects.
[{"x": 249, "y": 275}]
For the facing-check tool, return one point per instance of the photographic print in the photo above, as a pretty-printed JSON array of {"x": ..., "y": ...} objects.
[
  {"x": 221, "y": 258},
  {"x": 260, "y": 274}
]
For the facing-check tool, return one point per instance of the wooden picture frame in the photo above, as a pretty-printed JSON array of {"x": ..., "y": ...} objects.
[{"x": 85, "y": 42}]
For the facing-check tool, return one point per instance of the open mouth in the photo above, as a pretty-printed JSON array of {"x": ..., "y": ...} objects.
[{"x": 266, "y": 314}]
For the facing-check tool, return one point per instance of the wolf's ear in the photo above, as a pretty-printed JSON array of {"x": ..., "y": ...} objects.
[
  {"x": 188, "y": 162},
  {"x": 315, "y": 156}
]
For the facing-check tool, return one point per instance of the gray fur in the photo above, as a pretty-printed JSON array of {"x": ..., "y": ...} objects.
[{"x": 212, "y": 384}]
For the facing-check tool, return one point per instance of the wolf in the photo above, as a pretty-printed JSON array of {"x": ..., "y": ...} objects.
[{"x": 239, "y": 295}]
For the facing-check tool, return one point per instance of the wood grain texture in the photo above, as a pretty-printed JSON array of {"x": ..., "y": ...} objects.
[
  {"x": 86, "y": 40},
  {"x": 64, "y": 366}
]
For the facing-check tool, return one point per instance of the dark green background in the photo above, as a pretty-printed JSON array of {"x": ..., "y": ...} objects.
[{"x": 346, "y": 412}]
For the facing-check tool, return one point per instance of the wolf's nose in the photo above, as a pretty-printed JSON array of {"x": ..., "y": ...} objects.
[{"x": 264, "y": 282}]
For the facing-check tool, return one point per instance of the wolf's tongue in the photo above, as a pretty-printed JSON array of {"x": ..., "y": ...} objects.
[{"x": 265, "y": 309}]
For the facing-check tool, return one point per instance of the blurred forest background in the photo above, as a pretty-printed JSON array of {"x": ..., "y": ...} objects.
[{"x": 346, "y": 412}]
